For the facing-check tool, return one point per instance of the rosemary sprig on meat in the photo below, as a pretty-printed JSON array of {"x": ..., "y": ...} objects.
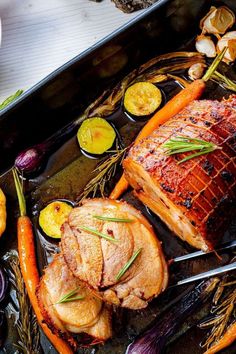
[
  {"x": 107, "y": 218},
  {"x": 128, "y": 264},
  {"x": 26, "y": 323},
  {"x": 97, "y": 233},
  {"x": 70, "y": 297},
  {"x": 181, "y": 144}
]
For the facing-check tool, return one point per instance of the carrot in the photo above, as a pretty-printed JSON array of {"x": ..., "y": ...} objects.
[
  {"x": 227, "y": 339},
  {"x": 190, "y": 93},
  {"x": 28, "y": 266}
]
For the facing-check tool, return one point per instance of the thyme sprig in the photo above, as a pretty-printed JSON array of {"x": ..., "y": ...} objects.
[
  {"x": 98, "y": 233},
  {"x": 107, "y": 218},
  {"x": 181, "y": 144},
  {"x": 128, "y": 264},
  {"x": 26, "y": 322},
  {"x": 69, "y": 297}
]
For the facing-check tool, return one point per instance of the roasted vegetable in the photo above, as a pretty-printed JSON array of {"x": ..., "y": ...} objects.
[
  {"x": 28, "y": 266},
  {"x": 217, "y": 20},
  {"x": 3, "y": 284},
  {"x": 196, "y": 71},
  {"x": 96, "y": 135},
  {"x": 3, "y": 213},
  {"x": 229, "y": 41},
  {"x": 153, "y": 340},
  {"x": 53, "y": 216},
  {"x": 142, "y": 99},
  {"x": 205, "y": 45}
]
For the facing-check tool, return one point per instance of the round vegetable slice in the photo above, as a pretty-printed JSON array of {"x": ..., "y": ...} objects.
[
  {"x": 53, "y": 216},
  {"x": 96, "y": 135},
  {"x": 142, "y": 98}
]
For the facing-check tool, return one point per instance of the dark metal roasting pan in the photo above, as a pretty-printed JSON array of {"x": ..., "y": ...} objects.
[{"x": 167, "y": 26}]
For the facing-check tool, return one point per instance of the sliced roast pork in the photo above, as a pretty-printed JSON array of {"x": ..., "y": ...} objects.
[
  {"x": 195, "y": 198},
  {"x": 97, "y": 261},
  {"x": 89, "y": 314}
]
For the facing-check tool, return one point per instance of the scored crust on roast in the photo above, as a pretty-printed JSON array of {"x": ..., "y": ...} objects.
[
  {"x": 87, "y": 315},
  {"x": 146, "y": 278},
  {"x": 195, "y": 198}
]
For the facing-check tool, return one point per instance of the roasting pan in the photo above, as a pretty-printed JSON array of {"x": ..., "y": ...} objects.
[{"x": 60, "y": 98}]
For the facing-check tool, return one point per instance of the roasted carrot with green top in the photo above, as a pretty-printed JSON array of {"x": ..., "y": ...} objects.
[
  {"x": 227, "y": 339},
  {"x": 190, "y": 93},
  {"x": 28, "y": 266}
]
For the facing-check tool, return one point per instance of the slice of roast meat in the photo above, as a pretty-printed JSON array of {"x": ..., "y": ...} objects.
[
  {"x": 97, "y": 261},
  {"x": 197, "y": 198},
  {"x": 87, "y": 315}
]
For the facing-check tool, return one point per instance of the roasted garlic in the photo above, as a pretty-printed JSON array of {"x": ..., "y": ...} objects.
[
  {"x": 217, "y": 21},
  {"x": 229, "y": 41},
  {"x": 205, "y": 45}
]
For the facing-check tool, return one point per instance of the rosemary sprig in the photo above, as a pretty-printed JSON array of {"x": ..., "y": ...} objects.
[
  {"x": 26, "y": 322},
  {"x": 98, "y": 233},
  {"x": 10, "y": 99},
  {"x": 128, "y": 264},
  {"x": 107, "y": 218},
  {"x": 70, "y": 297},
  {"x": 222, "y": 314},
  {"x": 104, "y": 172},
  {"x": 181, "y": 144}
]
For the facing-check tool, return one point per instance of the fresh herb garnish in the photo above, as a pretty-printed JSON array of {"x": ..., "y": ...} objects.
[
  {"x": 70, "y": 297},
  {"x": 25, "y": 321},
  {"x": 128, "y": 264},
  {"x": 10, "y": 99},
  {"x": 104, "y": 172},
  {"x": 107, "y": 218},
  {"x": 98, "y": 233},
  {"x": 181, "y": 144},
  {"x": 222, "y": 313}
]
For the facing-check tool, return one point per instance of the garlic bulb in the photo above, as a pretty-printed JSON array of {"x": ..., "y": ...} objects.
[
  {"x": 228, "y": 40},
  {"x": 205, "y": 45},
  {"x": 217, "y": 20},
  {"x": 196, "y": 71}
]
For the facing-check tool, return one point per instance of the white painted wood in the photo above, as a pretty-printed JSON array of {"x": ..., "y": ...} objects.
[{"x": 38, "y": 36}]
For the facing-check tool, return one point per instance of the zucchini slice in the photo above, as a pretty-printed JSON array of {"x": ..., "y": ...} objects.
[
  {"x": 142, "y": 99},
  {"x": 53, "y": 216},
  {"x": 96, "y": 135}
]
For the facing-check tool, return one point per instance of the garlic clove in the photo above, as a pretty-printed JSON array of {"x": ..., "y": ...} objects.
[
  {"x": 217, "y": 20},
  {"x": 205, "y": 45},
  {"x": 196, "y": 71},
  {"x": 229, "y": 41}
]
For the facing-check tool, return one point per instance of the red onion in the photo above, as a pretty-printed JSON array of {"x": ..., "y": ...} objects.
[{"x": 153, "y": 340}]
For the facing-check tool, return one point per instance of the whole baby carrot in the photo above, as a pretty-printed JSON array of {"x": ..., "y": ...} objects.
[
  {"x": 28, "y": 266},
  {"x": 176, "y": 104}
]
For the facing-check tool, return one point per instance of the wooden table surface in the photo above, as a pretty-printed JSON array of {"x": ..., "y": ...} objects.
[{"x": 39, "y": 36}]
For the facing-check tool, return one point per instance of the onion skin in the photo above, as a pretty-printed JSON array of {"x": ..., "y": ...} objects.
[
  {"x": 153, "y": 340},
  {"x": 3, "y": 284}
]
